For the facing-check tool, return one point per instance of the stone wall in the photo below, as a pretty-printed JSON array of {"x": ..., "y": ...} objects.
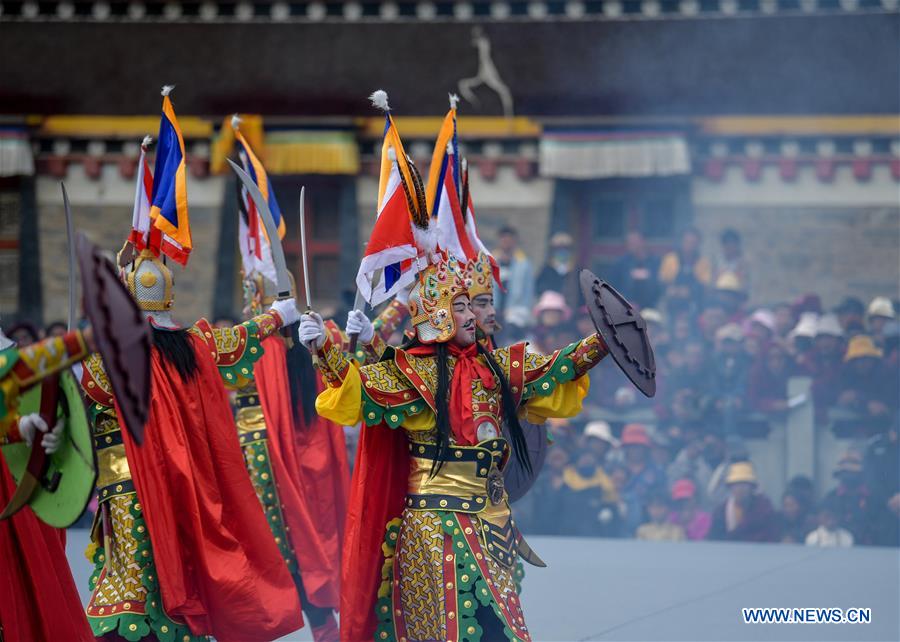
[
  {"x": 102, "y": 209},
  {"x": 836, "y": 239}
]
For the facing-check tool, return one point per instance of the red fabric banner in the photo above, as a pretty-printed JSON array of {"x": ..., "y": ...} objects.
[{"x": 218, "y": 565}]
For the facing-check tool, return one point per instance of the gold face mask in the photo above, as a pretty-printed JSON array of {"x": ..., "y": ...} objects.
[{"x": 431, "y": 301}]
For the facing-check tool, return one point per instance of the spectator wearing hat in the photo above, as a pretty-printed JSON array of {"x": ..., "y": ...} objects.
[
  {"x": 686, "y": 511},
  {"x": 552, "y": 316},
  {"x": 731, "y": 367},
  {"x": 825, "y": 366},
  {"x": 684, "y": 274},
  {"x": 636, "y": 272},
  {"x": 558, "y": 273},
  {"x": 746, "y": 515},
  {"x": 850, "y": 314},
  {"x": 795, "y": 519},
  {"x": 866, "y": 387},
  {"x": 658, "y": 527},
  {"x": 759, "y": 330},
  {"x": 514, "y": 301},
  {"x": 731, "y": 294},
  {"x": 644, "y": 477},
  {"x": 878, "y": 315},
  {"x": 829, "y": 534},
  {"x": 800, "y": 342},
  {"x": 852, "y": 498},
  {"x": 598, "y": 438},
  {"x": 731, "y": 257}
]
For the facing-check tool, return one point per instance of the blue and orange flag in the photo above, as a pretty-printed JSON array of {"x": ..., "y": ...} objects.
[
  {"x": 168, "y": 201},
  {"x": 449, "y": 199}
]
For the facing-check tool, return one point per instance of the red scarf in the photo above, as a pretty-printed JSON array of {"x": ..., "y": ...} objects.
[{"x": 468, "y": 368}]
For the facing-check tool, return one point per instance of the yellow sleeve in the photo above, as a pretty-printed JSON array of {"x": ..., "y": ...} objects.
[
  {"x": 564, "y": 401},
  {"x": 342, "y": 403}
]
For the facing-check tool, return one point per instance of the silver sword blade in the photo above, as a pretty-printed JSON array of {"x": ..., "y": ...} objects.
[{"x": 303, "y": 250}]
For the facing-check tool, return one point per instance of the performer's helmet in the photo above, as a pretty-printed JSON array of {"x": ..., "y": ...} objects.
[
  {"x": 480, "y": 275},
  {"x": 261, "y": 292},
  {"x": 431, "y": 301},
  {"x": 150, "y": 282}
]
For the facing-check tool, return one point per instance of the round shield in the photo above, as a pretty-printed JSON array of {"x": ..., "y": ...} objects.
[
  {"x": 623, "y": 329},
  {"x": 65, "y": 490}
]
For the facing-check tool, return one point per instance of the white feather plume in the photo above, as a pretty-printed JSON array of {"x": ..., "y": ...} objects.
[
  {"x": 427, "y": 239},
  {"x": 167, "y": 89},
  {"x": 146, "y": 142},
  {"x": 454, "y": 100},
  {"x": 236, "y": 121},
  {"x": 379, "y": 99}
]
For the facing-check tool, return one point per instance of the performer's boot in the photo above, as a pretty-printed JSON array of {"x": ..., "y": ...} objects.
[{"x": 327, "y": 632}]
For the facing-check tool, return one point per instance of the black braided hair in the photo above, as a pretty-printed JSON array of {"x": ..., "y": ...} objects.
[
  {"x": 442, "y": 407},
  {"x": 175, "y": 347},
  {"x": 302, "y": 381}
]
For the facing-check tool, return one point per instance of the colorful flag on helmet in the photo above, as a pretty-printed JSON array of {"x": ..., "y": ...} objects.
[
  {"x": 168, "y": 201},
  {"x": 401, "y": 230},
  {"x": 254, "y": 242},
  {"x": 143, "y": 188},
  {"x": 449, "y": 199}
]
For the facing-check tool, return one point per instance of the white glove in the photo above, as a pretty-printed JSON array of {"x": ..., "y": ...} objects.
[
  {"x": 312, "y": 329},
  {"x": 287, "y": 310},
  {"x": 358, "y": 323},
  {"x": 29, "y": 425},
  {"x": 53, "y": 439}
]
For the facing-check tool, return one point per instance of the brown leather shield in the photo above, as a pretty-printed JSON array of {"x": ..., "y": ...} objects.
[
  {"x": 623, "y": 329},
  {"x": 121, "y": 333}
]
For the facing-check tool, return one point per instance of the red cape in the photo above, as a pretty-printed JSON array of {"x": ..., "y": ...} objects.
[
  {"x": 312, "y": 532},
  {"x": 218, "y": 565},
  {"x": 377, "y": 493},
  {"x": 38, "y": 598}
]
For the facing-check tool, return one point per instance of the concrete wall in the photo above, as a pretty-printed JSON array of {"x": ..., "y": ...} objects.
[{"x": 836, "y": 239}]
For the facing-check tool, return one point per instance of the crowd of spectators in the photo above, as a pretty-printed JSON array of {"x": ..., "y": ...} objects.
[{"x": 682, "y": 470}]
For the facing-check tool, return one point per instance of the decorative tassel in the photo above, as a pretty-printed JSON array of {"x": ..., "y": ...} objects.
[
  {"x": 454, "y": 100},
  {"x": 379, "y": 99}
]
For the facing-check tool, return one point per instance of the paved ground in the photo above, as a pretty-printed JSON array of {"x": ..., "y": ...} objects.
[{"x": 630, "y": 590}]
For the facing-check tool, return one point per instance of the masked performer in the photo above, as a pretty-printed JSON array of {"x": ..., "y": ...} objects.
[
  {"x": 450, "y": 544},
  {"x": 38, "y": 598},
  {"x": 182, "y": 548}
]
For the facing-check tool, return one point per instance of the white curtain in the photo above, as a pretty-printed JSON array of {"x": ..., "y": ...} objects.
[{"x": 607, "y": 155}]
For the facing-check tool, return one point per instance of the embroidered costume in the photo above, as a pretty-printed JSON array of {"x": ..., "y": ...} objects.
[
  {"x": 450, "y": 545},
  {"x": 180, "y": 546}
]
